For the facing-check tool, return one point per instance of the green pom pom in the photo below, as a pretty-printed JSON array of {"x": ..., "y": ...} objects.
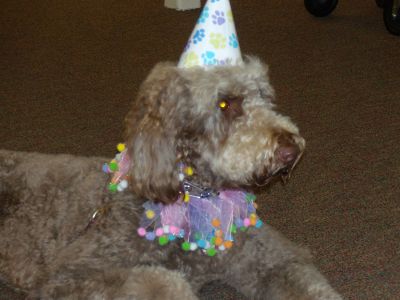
[
  {"x": 212, "y": 241},
  {"x": 243, "y": 228},
  {"x": 113, "y": 187},
  {"x": 211, "y": 251},
  {"x": 163, "y": 240},
  {"x": 186, "y": 246},
  {"x": 250, "y": 197},
  {"x": 113, "y": 166},
  {"x": 233, "y": 228}
]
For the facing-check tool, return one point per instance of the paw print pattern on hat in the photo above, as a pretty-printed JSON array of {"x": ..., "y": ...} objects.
[{"x": 214, "y": 40}]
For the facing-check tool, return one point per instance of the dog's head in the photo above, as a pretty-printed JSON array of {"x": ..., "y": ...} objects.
[{"x": 219, "y": 120}]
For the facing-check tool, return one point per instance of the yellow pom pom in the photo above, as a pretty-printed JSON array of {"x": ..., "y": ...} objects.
[
  {"x": 253, "y": 217},
  {"x": 150, "y": 214},
  {"x": 189, "y": 171},
  {"x": 186, "y": 198},
  {"x": 121, "y": 147}
]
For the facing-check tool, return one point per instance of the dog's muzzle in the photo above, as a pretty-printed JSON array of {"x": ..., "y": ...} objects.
[{"x": 286, "y": 155}]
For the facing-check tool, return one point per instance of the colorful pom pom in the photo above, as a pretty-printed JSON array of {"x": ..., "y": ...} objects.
[
  {"x": 166, "y": 228},
  {"x": 141, "y": 231},
  {"x": 121, "y": 147},
  {"x": 123, "y": 184},
  {"x": 150, "y": 214},
  {"x": 174, "y": 230},
  {"x": 186, "y": 246},
  {"x": 112, "y": 187},
  {"x": 228, "y": 244},
  {"x": 250, "y": 197},
  {"x": 216, "y": 223},
  {"x": 259, "y": 223},
  {"x": 163, "y": 240},
  {"x": 193, "y": 246},
  {"x": 201, "y": 243},
  {"x": 113, "y": 165},
  {"x": 105, "y": 169},
  {"x": 197, "y": 236},
  {"x": 211, "y": 251},
  {"x": 218, "y": 241},
  {"x": 159, "y": 232},
  {"x": 150, "y": 236},
  {"x": 246, "y": 222}
]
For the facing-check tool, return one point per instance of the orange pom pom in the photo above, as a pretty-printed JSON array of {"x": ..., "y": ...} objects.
[
  {"x": 228, "y": 244},
  {"x": 218, "y": 241},
  {"x": 215, "y": 222}
]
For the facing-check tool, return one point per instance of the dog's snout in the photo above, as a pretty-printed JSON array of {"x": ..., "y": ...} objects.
[
  {"x": 288, "y": 154},
  {"x": 287, "y": 151}
]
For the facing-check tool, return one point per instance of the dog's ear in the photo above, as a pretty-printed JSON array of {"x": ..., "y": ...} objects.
[{"x": 151, "y": 134}]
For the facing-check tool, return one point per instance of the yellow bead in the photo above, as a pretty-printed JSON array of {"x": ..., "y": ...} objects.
[
  {"x": 121, "y": 147},
  {"x": 150, "y": 214},
  {"x": 189, "y": 171}
]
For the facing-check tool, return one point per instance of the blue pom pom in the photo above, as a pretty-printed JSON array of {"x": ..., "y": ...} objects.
[
  {"x": 201, "y": 243},
  {"x": 259, "y": 223},
  {"x": 171, "y": 237},
  {"x": 106, "y": 169},
  {"x": 150, "y": 236}
]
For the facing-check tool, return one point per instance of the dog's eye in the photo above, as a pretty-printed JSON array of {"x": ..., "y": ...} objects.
[
  {"x": 231, "y": 106},
  {"x": 223, "y": 104}
]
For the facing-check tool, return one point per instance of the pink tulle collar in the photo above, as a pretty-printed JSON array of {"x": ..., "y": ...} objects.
[{"x": 201, "y": 219}]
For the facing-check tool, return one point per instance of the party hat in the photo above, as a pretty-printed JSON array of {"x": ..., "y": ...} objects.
[{"x": 213, "y": 40}]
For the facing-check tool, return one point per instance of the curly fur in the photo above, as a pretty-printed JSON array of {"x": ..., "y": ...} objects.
[{"x": 46, "y": 201}]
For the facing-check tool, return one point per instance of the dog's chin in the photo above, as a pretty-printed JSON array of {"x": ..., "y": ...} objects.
[{"x": 282, "y": 173}]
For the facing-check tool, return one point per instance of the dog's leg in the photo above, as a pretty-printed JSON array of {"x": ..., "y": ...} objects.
[
  {"x": 142, "y": 283},
  {"x": 267, "y": 266}
]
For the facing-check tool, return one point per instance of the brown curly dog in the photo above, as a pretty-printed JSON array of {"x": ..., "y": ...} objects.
[{"x": 222, "y": 122}]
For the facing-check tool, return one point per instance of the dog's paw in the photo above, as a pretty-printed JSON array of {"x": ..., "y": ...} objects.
[{"x": 156, "y": 283}]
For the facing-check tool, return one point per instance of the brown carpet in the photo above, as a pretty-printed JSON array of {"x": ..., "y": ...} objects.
[{"x": 70, "y": 68}]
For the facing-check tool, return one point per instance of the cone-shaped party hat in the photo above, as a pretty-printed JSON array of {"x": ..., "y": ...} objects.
[{"x": 214, "y": 40}]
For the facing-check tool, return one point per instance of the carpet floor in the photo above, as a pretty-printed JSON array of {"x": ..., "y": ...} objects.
[{"x": 69, "y": 70}]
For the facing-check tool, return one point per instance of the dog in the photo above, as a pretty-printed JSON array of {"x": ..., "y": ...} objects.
[{"x": 222, "y": 121}]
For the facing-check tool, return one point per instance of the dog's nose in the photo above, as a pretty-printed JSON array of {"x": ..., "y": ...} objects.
[{"x": 287, "y": 151}]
